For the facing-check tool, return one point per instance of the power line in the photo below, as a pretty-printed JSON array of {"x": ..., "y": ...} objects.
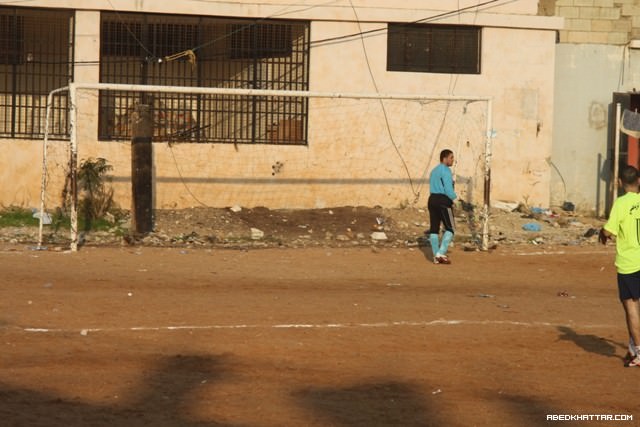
[
  {"x": 419, "y": 21},
  {"x": 129, "y": 30},
  {"x": 277, "y": 14},
  {"x": 283, "y": 12},
  {"x": 416, "y": 194}
]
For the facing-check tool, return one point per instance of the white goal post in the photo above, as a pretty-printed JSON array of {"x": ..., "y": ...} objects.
[{"x": 74, "y": 88}]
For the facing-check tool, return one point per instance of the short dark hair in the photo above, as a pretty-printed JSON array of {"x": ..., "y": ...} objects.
[
  {"x": 628, "y": 175},
  {"x": 445, "y": 153}
]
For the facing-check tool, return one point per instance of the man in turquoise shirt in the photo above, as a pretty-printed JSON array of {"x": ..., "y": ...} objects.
[{"x": 440, "y": 207}]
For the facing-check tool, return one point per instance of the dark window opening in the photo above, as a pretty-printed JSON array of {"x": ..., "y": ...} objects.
[
  {"x": 434, "y": 48},
  {"x": 168, "y": 39},
  {"x": 260, "y": 41},
  {"x": 121, "y": 39},
  {"x": 11, "y": 39}
]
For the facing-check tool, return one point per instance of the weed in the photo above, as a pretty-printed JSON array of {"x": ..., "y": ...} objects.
[
  {"x": 97, "y": 197},
  {"x": 17, "y": 217}
]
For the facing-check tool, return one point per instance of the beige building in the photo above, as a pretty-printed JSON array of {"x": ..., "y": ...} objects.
[{"x": 283, "y": 151}]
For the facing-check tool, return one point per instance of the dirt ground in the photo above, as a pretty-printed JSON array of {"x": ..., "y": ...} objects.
[{"x": 375, "y": 335}]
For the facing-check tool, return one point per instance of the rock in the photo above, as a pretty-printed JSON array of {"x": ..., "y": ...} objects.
[
  {"x": 235, "y": 208},
  {"x": 110, "y": 218},
  {"x": 379, "y": 235},
  {"x": 505, "y": 206},
  {"x": 256, "y": 234}
]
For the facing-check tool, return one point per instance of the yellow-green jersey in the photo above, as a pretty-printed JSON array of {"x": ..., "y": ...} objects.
[{"x": 624, "y": 223}]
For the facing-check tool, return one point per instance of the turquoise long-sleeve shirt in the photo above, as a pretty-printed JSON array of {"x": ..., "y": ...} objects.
[{"x": 441, "y": 181}]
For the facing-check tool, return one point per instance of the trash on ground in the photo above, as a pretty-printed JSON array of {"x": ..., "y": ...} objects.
[{"x": 531, "y": 226}]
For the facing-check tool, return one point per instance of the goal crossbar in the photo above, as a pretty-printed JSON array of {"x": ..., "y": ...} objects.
[{"x": 73, "y": 89}]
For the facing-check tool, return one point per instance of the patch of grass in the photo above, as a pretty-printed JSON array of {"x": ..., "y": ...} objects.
[
  {"x": 98, "y": 224},
  {"x": 21, "y": 217},
  {"x": 17, "y": 217}
]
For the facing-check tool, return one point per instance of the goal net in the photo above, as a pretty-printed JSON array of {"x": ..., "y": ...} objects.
[{"x": 220, "y": 147}]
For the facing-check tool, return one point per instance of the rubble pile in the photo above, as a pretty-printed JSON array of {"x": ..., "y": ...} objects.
[{"x": 238, "y": 227}]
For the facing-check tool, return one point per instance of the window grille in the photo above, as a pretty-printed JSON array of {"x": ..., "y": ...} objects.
[
  {"x": 36, "y": 55},
  {"x": 260, "y": 41},
  {"x": 434, "y": 48},
  {"x": 230, "y": 53}
]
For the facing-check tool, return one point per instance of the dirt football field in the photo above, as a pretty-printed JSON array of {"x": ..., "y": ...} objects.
[{"x": 138, "y": 336}]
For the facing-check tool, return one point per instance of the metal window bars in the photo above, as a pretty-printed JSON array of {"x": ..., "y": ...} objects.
[
  {"x": 206, "y": 52},
  {"x": 36, "y": 56}
]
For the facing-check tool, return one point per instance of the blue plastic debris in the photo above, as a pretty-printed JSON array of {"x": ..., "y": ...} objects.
[{"x": 531, "y": 226}]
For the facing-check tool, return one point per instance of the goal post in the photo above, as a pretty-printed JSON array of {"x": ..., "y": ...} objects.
[{"x": 413, "y": 128}]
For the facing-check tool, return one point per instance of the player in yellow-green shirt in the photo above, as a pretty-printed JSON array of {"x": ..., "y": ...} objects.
[{"x": 624, "y": 224}]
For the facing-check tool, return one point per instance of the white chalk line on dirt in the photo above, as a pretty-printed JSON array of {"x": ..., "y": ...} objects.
[
  {"x": 439, "y": 322},
  {"x": 538, "y": 253}
]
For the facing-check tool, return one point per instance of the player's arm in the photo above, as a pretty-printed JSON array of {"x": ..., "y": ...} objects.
[
  {"x": 610, "y": 228},
  {"x": 447, "y": 182},
  {"x": 604, "y": 235}
]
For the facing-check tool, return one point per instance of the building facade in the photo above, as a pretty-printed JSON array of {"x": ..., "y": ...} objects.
[
  {"x": 596, "y": 57},
  {"x": 276, "y": 150}
]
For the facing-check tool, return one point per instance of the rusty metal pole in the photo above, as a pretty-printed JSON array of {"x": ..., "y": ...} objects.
[{"x": 141, "y": 170}]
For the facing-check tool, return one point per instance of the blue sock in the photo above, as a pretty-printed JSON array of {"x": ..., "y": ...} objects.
[
  {"x": 435, "y": 243},
  {"x": 447, "y": 237}
]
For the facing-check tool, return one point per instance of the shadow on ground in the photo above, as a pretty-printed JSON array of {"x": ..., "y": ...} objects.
[
  {"x": 371, "y": 404},
  {"x": 160, "y": 401},
  {"x": 590, "y": 343}
]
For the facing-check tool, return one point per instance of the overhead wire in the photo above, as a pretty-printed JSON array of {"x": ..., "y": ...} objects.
[
  {"x": 418, "y": 21},
  {"x": 173, "y": 156},
  {"x": 384, "y": 109},
  {"x": 190, "y": 54},
  {"x": 283, "y": 12},
  {"x": 129, "y": 29}
]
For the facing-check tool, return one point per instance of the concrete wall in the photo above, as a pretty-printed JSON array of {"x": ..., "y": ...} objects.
[
  {"x": 351, "y": 159},
  {"x": 593, "y": 60},
  {"x": 586, "y": 77}
]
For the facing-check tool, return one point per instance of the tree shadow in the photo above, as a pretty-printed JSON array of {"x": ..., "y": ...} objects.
[
  {"x": 590, "y": 343},
  {"x": 386, "y": 403},
  {"x": 524, "y": 410},
  {"x": 160, "y": 401}
]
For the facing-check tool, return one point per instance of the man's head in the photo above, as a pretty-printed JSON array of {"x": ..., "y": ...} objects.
[
  {"x": 446, "y": 157},
  {"x": 628, "y": 176}
]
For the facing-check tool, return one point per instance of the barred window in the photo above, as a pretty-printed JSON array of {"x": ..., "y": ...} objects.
[
  {"x": 36, "y": 55},
  {"x": 194, "y": 51},
  {"x": 121, "y": 39},
  {"x": 434, "y": 48},
  {"x": 260, "y": 41},
  {"x": 11, "y": 39}
]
